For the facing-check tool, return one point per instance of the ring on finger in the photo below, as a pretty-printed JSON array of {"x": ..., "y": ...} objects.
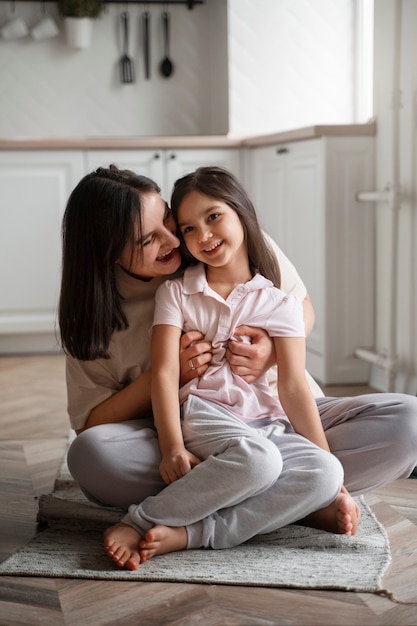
[{"x": 191, "y": 364}]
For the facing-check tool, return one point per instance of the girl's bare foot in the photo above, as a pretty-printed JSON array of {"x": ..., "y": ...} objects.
[
  {"x": 341, "y": 516},
  {"x": 347, "y": 514},
  {"x": 121, "y": 543},
  {"x": 161, "y": 540}
]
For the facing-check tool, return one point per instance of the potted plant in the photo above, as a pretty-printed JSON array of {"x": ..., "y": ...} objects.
[{"x": 78, "y": 16}]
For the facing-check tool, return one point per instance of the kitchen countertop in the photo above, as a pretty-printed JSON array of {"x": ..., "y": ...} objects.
[
  {"x": 312, "y": 132},
  {"x": 190, "y": 142}
]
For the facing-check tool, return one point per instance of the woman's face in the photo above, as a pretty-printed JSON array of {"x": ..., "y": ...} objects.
[{"x": 156, "y": 252}]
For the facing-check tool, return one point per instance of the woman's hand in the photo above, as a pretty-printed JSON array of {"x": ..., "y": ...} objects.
[
  {"x": 177, "y": 464},
  {"x": 250, "y": 360},
  {"x": 195, "y": 356}
]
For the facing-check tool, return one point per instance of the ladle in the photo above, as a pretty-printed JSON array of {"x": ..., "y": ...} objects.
[{"x": 166, "y": 66}]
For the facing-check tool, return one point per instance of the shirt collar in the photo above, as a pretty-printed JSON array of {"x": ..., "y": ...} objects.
[{"x": 195, "y": 281}]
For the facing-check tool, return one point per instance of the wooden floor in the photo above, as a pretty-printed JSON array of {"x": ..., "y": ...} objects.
[{"x": 33, "y": 429}]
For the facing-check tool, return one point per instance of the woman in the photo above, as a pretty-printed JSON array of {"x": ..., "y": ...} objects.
[{"x": 119, "y": 245}]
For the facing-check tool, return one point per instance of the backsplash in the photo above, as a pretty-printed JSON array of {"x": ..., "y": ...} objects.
[{"x": 48, "y": 89}]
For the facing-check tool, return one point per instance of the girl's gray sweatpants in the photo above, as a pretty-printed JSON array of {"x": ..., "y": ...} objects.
[{"x": 242, "y": 461}]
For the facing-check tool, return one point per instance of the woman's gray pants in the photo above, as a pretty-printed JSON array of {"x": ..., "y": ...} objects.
[{"x": 374, "y": 436}]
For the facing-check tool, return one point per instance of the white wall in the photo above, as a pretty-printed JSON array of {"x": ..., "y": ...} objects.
[
  {"x": 396, "y": 84},
  {"x": 241, "y": 66},
  {"x": 292, "y": 63}
]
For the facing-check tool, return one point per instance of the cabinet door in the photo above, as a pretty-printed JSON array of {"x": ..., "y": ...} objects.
[
  {"x": 304, "y": 229},
  {"x": 286, "y": 185},
  {"x": 146, "y": 162},
  {"x": 267, "y": 187},
  {"x": 34, "y": 189},
  {"x": 181, "y": 162}
]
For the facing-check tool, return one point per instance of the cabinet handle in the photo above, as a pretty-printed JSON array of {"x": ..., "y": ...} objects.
[
  {"x": 156, "y": 156},
  {"x": 172, "y": 156},
  {"x": 282, "y": 150}
]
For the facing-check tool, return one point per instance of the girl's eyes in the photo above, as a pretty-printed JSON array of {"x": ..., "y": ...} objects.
[{"x": 210, "y": 218}]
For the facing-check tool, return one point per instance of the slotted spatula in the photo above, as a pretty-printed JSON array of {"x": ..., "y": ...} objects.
[{"x": 127, "y": 68}]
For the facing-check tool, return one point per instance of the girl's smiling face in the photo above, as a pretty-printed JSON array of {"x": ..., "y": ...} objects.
[
  {"x": 155, "y": 252},
  {"x": 212, "y": 231}
]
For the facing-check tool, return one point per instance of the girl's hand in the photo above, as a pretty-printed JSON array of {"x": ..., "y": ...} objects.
[
  {"x": 195, "y": 356},
  {"x": 177, "y": 464},
  {"x": 250, "y": 360}
]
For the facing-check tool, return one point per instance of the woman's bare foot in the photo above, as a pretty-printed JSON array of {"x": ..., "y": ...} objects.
[
  {"x": 121, "y": 543},
  {"x": 341, "y": 516},
  {"x": 161, "y": 540}
]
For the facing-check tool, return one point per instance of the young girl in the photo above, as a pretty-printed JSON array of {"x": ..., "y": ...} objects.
[{"x": 233, "y": 438}]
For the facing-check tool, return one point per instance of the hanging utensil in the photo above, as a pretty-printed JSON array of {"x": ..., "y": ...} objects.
[
  {"x": 15, "y": 27},
  {"x": 166, "y": 67},
  {"x": 127, "y": 68},
  {"x": 146, "y": 20},
  {"x": 46, "y": 27}
]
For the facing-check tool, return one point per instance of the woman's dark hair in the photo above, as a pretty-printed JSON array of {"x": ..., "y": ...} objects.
[
  {"x": 102, "y": 216},
  {"x": 218, "y": 183}
]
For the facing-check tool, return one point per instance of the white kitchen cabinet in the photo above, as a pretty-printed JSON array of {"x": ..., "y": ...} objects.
[
  {"x": 34, "y": 188},
  {"x": 165, "y": 165},
  {"x": 305, "y": 195}
]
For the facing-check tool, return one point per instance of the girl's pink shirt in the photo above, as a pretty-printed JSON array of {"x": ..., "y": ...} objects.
[{"x": 190, "y": 304}]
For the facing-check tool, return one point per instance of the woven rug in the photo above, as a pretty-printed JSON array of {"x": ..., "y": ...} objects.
[{"x": 294, "y": 556}]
